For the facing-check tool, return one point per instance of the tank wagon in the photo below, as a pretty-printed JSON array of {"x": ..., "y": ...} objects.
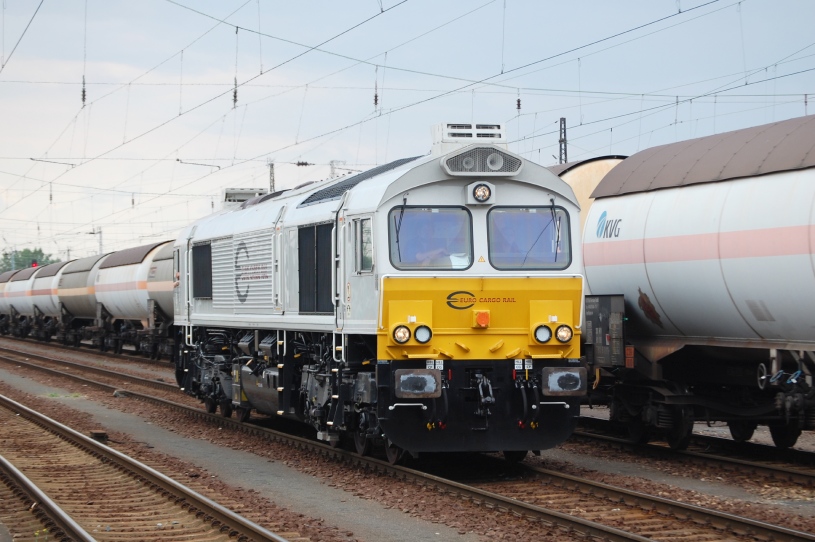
[
  {"x": 700, "y": 269},
  {"x": 111, "y": 299},
  {"x": 429, "y": 304}
]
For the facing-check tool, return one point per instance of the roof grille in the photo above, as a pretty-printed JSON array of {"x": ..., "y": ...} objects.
[
  {"x": 483, "y": 160},
  {"x": 336, "y": 190}
]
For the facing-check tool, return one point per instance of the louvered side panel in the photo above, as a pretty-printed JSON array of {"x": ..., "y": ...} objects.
[
  {"x": 253, "y": 272},
  {"x": 223, "y": 277}
]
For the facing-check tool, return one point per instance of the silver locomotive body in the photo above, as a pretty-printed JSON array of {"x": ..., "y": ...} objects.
[{"x": 386, "y": 306}]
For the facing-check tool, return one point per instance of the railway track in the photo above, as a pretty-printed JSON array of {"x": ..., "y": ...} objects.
[
  {"x": 747, "y": 458},
  {"x": 106, "y": 495},
  {"x": 567, "y": 503}
]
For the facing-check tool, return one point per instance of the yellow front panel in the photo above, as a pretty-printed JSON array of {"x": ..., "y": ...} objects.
[{"x": 449, "y": 306}]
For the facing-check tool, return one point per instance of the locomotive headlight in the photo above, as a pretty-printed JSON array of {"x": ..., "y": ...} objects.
[
  {"x": 564, "y": 334},
  {"x": 482, "y": 192},
  {"x": 401, "y": 334},
  {"x": 422, "y": 334},
  {"x": 495, "y": 161},
  {"x": 543, "y": 334},
  {"x": 468, "y": 163}
]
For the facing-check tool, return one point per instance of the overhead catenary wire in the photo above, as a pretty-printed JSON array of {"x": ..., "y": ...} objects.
[
  {"x": 435, "y": 97},
  {"x": 154, "y": 128},
  {"x": 472, "y": 94},
  {"x": 5, "y": 62}
]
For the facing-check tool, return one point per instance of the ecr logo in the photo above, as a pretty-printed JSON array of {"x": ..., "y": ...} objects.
[
  {"x": 460, "y": 300},
  {"x": 607, "y": 228}
]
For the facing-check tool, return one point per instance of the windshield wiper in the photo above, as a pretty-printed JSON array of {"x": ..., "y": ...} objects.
[
  {"x": 552, "y": 209},
  {"x": 398, "y": 227}
]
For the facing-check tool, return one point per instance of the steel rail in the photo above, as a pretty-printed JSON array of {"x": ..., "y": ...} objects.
[
  {"x": 156, "y": 384},
  {"x": 60, "y": 524},
  {"x": 92, "y": 350},
  {"x": 719, "y": 520},
  {"x": 595, "y": 531},
  {"x": 803, "y": 477},
  {"x": 236, "y": 523},
  {"x": 493, "y": 500}
]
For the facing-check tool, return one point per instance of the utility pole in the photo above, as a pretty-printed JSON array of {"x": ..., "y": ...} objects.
[
  {"x": 97, "y": 231},
  {"x": 270, "y": 162},
  {"x": 562, "y": 141}
]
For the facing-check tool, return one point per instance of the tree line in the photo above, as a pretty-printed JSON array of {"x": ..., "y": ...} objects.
[{"x": 21, "y": 259}]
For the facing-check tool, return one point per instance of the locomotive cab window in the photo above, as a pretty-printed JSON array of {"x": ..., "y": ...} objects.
[
  {"x": 364, "y": 248},
  {"x": 430, "y": 237},
  {"x": 529, "y": 238}
]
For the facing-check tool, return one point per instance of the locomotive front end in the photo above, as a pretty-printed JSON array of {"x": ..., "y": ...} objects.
[
  {"x": 479, "y": 364},
  {"x": 480, "y": 318}
]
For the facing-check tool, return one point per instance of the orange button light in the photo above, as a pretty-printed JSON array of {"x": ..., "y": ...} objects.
[{"x": 482, "y": 318}]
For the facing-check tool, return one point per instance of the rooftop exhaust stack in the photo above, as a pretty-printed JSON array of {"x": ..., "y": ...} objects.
[{"x": 448, "y": 137}]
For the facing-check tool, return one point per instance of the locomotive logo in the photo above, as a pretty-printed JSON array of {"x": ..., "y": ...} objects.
[
  {"x": 241, "y": 295},
  {"x": 608, "y": 227},
  {"x": 460, "y": 300},
  {"x": 644, "y": 303}
]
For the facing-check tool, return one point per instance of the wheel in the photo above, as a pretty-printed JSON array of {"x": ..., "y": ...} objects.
[
  {"x": 679, "y": 435},
  {"x": 362, "y": 443},
  {"x": 515, "y": 456},
  {"x": 742, "y": 430},
  {"x": 393, "y": 453},
  {"x": 638, "y": 432},
  {"x": 243, "y": 414},
  {"x": 784, "y": 436},
  {"x": 210, "y": 405},
  {"x": 226, "y": 408}
]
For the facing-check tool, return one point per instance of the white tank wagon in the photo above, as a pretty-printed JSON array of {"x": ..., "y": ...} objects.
[
  {"x": 700, "y": 261},
  {"x": 77, "y": 298},
  {"x": 5, "y": 308},
  {"x": 123, "y": 298},
  {"x": 7, "y": 321},
  {"x": 17, "y": 294},
  {"x": 33, "y": 301},
  {"x": 135, "y": 289}
]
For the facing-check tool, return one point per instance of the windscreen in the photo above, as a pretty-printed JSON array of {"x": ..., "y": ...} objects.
[
  {"x": 430, "y": 238},
  {"x": 529, "y": 238}
]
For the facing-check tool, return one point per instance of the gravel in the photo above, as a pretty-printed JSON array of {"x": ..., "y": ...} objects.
[{"x": 324, "y": 500}]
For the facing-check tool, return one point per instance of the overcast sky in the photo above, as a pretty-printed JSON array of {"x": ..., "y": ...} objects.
[{"x": 160, "y": 133}]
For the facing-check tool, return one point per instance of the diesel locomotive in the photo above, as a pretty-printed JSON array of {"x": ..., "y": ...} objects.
[{"x": 431, "y": 304}]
